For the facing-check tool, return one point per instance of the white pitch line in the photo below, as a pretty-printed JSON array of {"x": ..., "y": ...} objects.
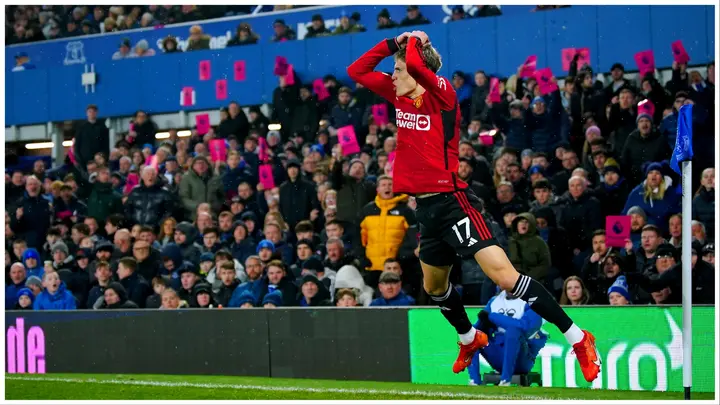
[{"x": 429, "y": 394}]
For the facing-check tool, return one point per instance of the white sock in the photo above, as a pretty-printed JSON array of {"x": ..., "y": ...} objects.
[
  {"x": 574, "y": 335},
  {"x": 468, "y": 337}
]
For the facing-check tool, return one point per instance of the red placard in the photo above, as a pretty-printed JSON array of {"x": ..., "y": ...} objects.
[
  {"x": 218, "y": 150},
  {"x": 380, "y": 114},
  {"x": 495, "y": 90},
  {"x": 281, "y": 66},
  {"x": 569, "y": 53},
  {"x": 320, "y": 90}
]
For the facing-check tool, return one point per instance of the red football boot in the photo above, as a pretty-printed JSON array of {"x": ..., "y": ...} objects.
[
  {"x": 588, "y": 356},
  {"x": 468, "y": 351}
]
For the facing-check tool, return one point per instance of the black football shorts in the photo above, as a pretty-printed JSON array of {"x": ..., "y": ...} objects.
[{"x": 451, "y": 224}]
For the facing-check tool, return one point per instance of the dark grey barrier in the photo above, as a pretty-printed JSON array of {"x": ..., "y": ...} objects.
[{"x": 363, "y": 344}]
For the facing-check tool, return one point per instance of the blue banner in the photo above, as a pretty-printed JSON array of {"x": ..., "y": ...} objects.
[{"x": 683, "y": 144}]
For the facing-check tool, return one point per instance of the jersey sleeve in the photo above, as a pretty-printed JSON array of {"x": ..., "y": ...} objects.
[
  {"x": 361, "y": 71},
  {"x": 434, "y": 84}
]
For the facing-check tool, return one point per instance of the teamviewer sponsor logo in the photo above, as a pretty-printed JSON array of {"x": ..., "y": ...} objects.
[{"x": 417, "y": 122}]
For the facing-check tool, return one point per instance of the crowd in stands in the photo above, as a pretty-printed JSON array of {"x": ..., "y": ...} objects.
[{"x": 287, "y": 218}]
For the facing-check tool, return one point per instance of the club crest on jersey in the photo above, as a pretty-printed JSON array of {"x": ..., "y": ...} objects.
[
  {"x": 418, "y": 102},
  {"x": 417, "y": 122}
]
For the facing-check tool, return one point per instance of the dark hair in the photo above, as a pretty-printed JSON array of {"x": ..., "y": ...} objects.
[
  {"x": 539, "y": 155},
  {"x": 146, "y": 228},
  {"x": 335, "y": 222},
  {"x": 598, "y": 232},
  {"x": 82, "y": 228},
  {"x": 211, "y": 229},
  {"x": 224, "y": 253},
  {"x": 228, "y": 266},
  {"x": 391, "y": 260},
  {"x": 652, "y": 228},
  {"x": 129, "y": 262},
  {"x": 20, "y": 242},
  {"x": 304, "y": 226},
  {"x": 541, "y": 183},
  {"x": 102, "y": 263},
  {"x": 115, "y": 220},
  {"x": 91, "y": 107}
]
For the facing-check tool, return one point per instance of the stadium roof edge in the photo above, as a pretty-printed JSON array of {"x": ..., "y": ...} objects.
[{"x": 189, "y": 23}]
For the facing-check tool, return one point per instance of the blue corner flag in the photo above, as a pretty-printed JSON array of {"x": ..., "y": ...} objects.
[{"x": 683, "y": 145}]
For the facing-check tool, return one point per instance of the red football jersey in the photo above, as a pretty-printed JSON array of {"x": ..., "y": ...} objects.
[{"x": 426, "y": 159}]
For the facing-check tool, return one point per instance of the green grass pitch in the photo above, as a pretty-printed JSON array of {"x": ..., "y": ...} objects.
[{"x": 129, "y": 387}]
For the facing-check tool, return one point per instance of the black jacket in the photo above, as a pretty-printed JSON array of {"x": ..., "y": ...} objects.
[
  {"x": 149, "y": 205},
  {"x": 145, "y": 133},
  {"x": 581, "y": 218},
  {"x": 322, "y": 32},
  {"x": 35, "y": 221},
  {"x": 621, "y": 123},
  {"x": 90, "y": 139},
  {"x": 297, "y": 199},
  {"x": 150, "y": 267},
  {"x": 95, "y": 293},
  {"x": 237, "y": 126},
  {"x": 77, "y": 282},
  {"x": 703, "y": 209},
  {"x": 284, "y": 102},
  {"x": 612, "y": 198},
  {"x": 420, "y": 20},
  {"x": 137, "y": 288},
  {"x": 306, "y": 118},
  {"x": 703, "y": 283},
  {"x": 638, "y": 150},
  {"x": 225, "y": 293}
]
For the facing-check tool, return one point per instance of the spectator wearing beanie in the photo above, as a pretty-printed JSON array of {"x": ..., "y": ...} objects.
[
  {"x": 317, "y": 27},
  {"x": 25, "y": 299},
  {"x": 645, "y": 144},
  {"x": 613, "y": 192},
  {"x": 618, "y": 293},
  {"x": 703, "y": 205},
  {"x": 185, "y": 236},
  {"x": 34, "y": 283},
  {"x": 313, "y": 293},
  {"x": 528, "y": 252},
  {"x": 202, "y": 296},
  {"x": 638, "y": 220},
  {"x": 656, "y": 196},
  {"x": 273, "y": 299},
  {"x": 33, "y": 266}
]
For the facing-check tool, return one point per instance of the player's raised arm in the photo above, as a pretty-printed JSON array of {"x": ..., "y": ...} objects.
[
  {"x": 361, "y": 71},
  {"x": 423, "y": 62}
]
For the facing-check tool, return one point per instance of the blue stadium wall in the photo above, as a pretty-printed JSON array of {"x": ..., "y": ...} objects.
[{"x": 53, "y": 91}]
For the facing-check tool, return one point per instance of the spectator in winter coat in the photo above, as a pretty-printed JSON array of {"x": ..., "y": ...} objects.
[
  {"x": 543, "y": 122},
  {"x": 384, "y": 226},
  {"x": 170, "y": 45},
  {"x": 347, "y": 26},
  {"x": 516, "y": 134},
  {"x": 656, "y": 196},
  {"x": 570, "y": 162},
  {"x": 189, "y": 278},
  {"x": 202, "y": 296},
  {"x": 25, "y": 298},
  {"x": 313, "y": 293},
  {"x": 353, "y": 190},
  {"x": 643, "y": 145},
  {"x": 136, "y": 286},
  {"x": 278, "y": 280},
  {"x": 703, "y": 205},
  {"x": 617, "y": 72},
  {"x": 384, "y": 21},
  {"x": 306, "y": 115},
  {"x": 228, "y": 283},
  {"x": 17, "y": 278},
  {"x": 197, "y": 40},
  {"x": 273, "y": 234},
  {"x": 544, "y": 197},
  {"x": 581, "y": 216},
  {"x": 77, "y": 278},
  {"x": 174, "y": 254},
  {"x": 584, "y": 99},
  {"x": 414, "y": 17},
  {"x": 150, "y": 202},
  {"x": 297, "y": 196},
  {"x": 282, "y": 32},
  {"x": 317, "y": 28},
  {"x": 346, "y": 112},
  {"x": 613, "y": 192},
  {"x": 618, "y": 293},
  {"x": 254, "y": 269},
  {"x": 115, "y": 297},
  {"x": 54, "y": 295},
  {"x": 528, "y": 252},
  {"x": 159, "y": 285},
  {"x": 237, "y": 172},
  {"x": 611, "y": 268},
  {"x": 391, "y": 292},
  {"x": 32, "y": 262},
  {"x": 242, "y": 245},
  {"x": 623, "y": 119},
  {"x": 244, "y": 36},
  {"x": 103, "y": 275},
  {"x": 103, "y": 200},
  {"x": 703, "y": 282},
  {"x": 644, "y": 257},
  {"x": 31, "y": 219},
  {"x": 92, "y": 137},
  {"x": 143, "y": 132},
  {"x": 199, "y": 186},
  {"x": 285, "y": 99},
  {"x": 653, "y": 91}
]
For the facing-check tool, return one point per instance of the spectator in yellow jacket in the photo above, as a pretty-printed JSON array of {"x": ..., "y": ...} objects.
[{"x": 384, "y": 228}]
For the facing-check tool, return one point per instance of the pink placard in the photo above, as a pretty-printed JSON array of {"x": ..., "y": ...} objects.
[
  {"x": 569, "y": 53},
  {"x": 188, "y": 96},
  {"x": 262, "y": 150},
  {"x": 290, "y": 76},
  {"x": 239, "y": 70},
  {"x": 218, "y": 150},
  {"x": 647, "y": 107},
  {"x": 495, "y": 90},
  {"x": 266, "y": 176},
  {"x": 348, "y": 140},
  {"x": 131, "y": 181},
  {"x": 221, "y": 90},
  {"x": 390, "y": 165},
  {"x": 202, "y": 122},
  {"x": 71, "y": 152},
  {"x": 153, "y": 162},
  {"x": 487, "y": 137},
  {"x": 645, "y": 61},
  {"x": 680, "y": 55},
  {"x": 380, "y": 114},
  {"x": 545, "y": 82},
  {"x": 528, "y": 68},
  {"x": 281, "y": 66},
  {"x": 617, "y": 230},
  {"x": 320, "y": 90},
  {"x": 204, "y": 68}
]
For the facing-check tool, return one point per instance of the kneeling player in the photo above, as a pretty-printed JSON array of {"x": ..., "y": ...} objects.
[{"x": 515, "y": 338}]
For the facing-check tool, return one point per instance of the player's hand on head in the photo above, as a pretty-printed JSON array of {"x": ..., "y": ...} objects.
[
  {"x": 402, "y": 38},
  {"x": 422, "y": 36}
]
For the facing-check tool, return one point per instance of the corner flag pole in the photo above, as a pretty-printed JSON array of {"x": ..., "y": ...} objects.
[
  {"x": 687, "y": 275},
  {"x": 682, "y": 154}
]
